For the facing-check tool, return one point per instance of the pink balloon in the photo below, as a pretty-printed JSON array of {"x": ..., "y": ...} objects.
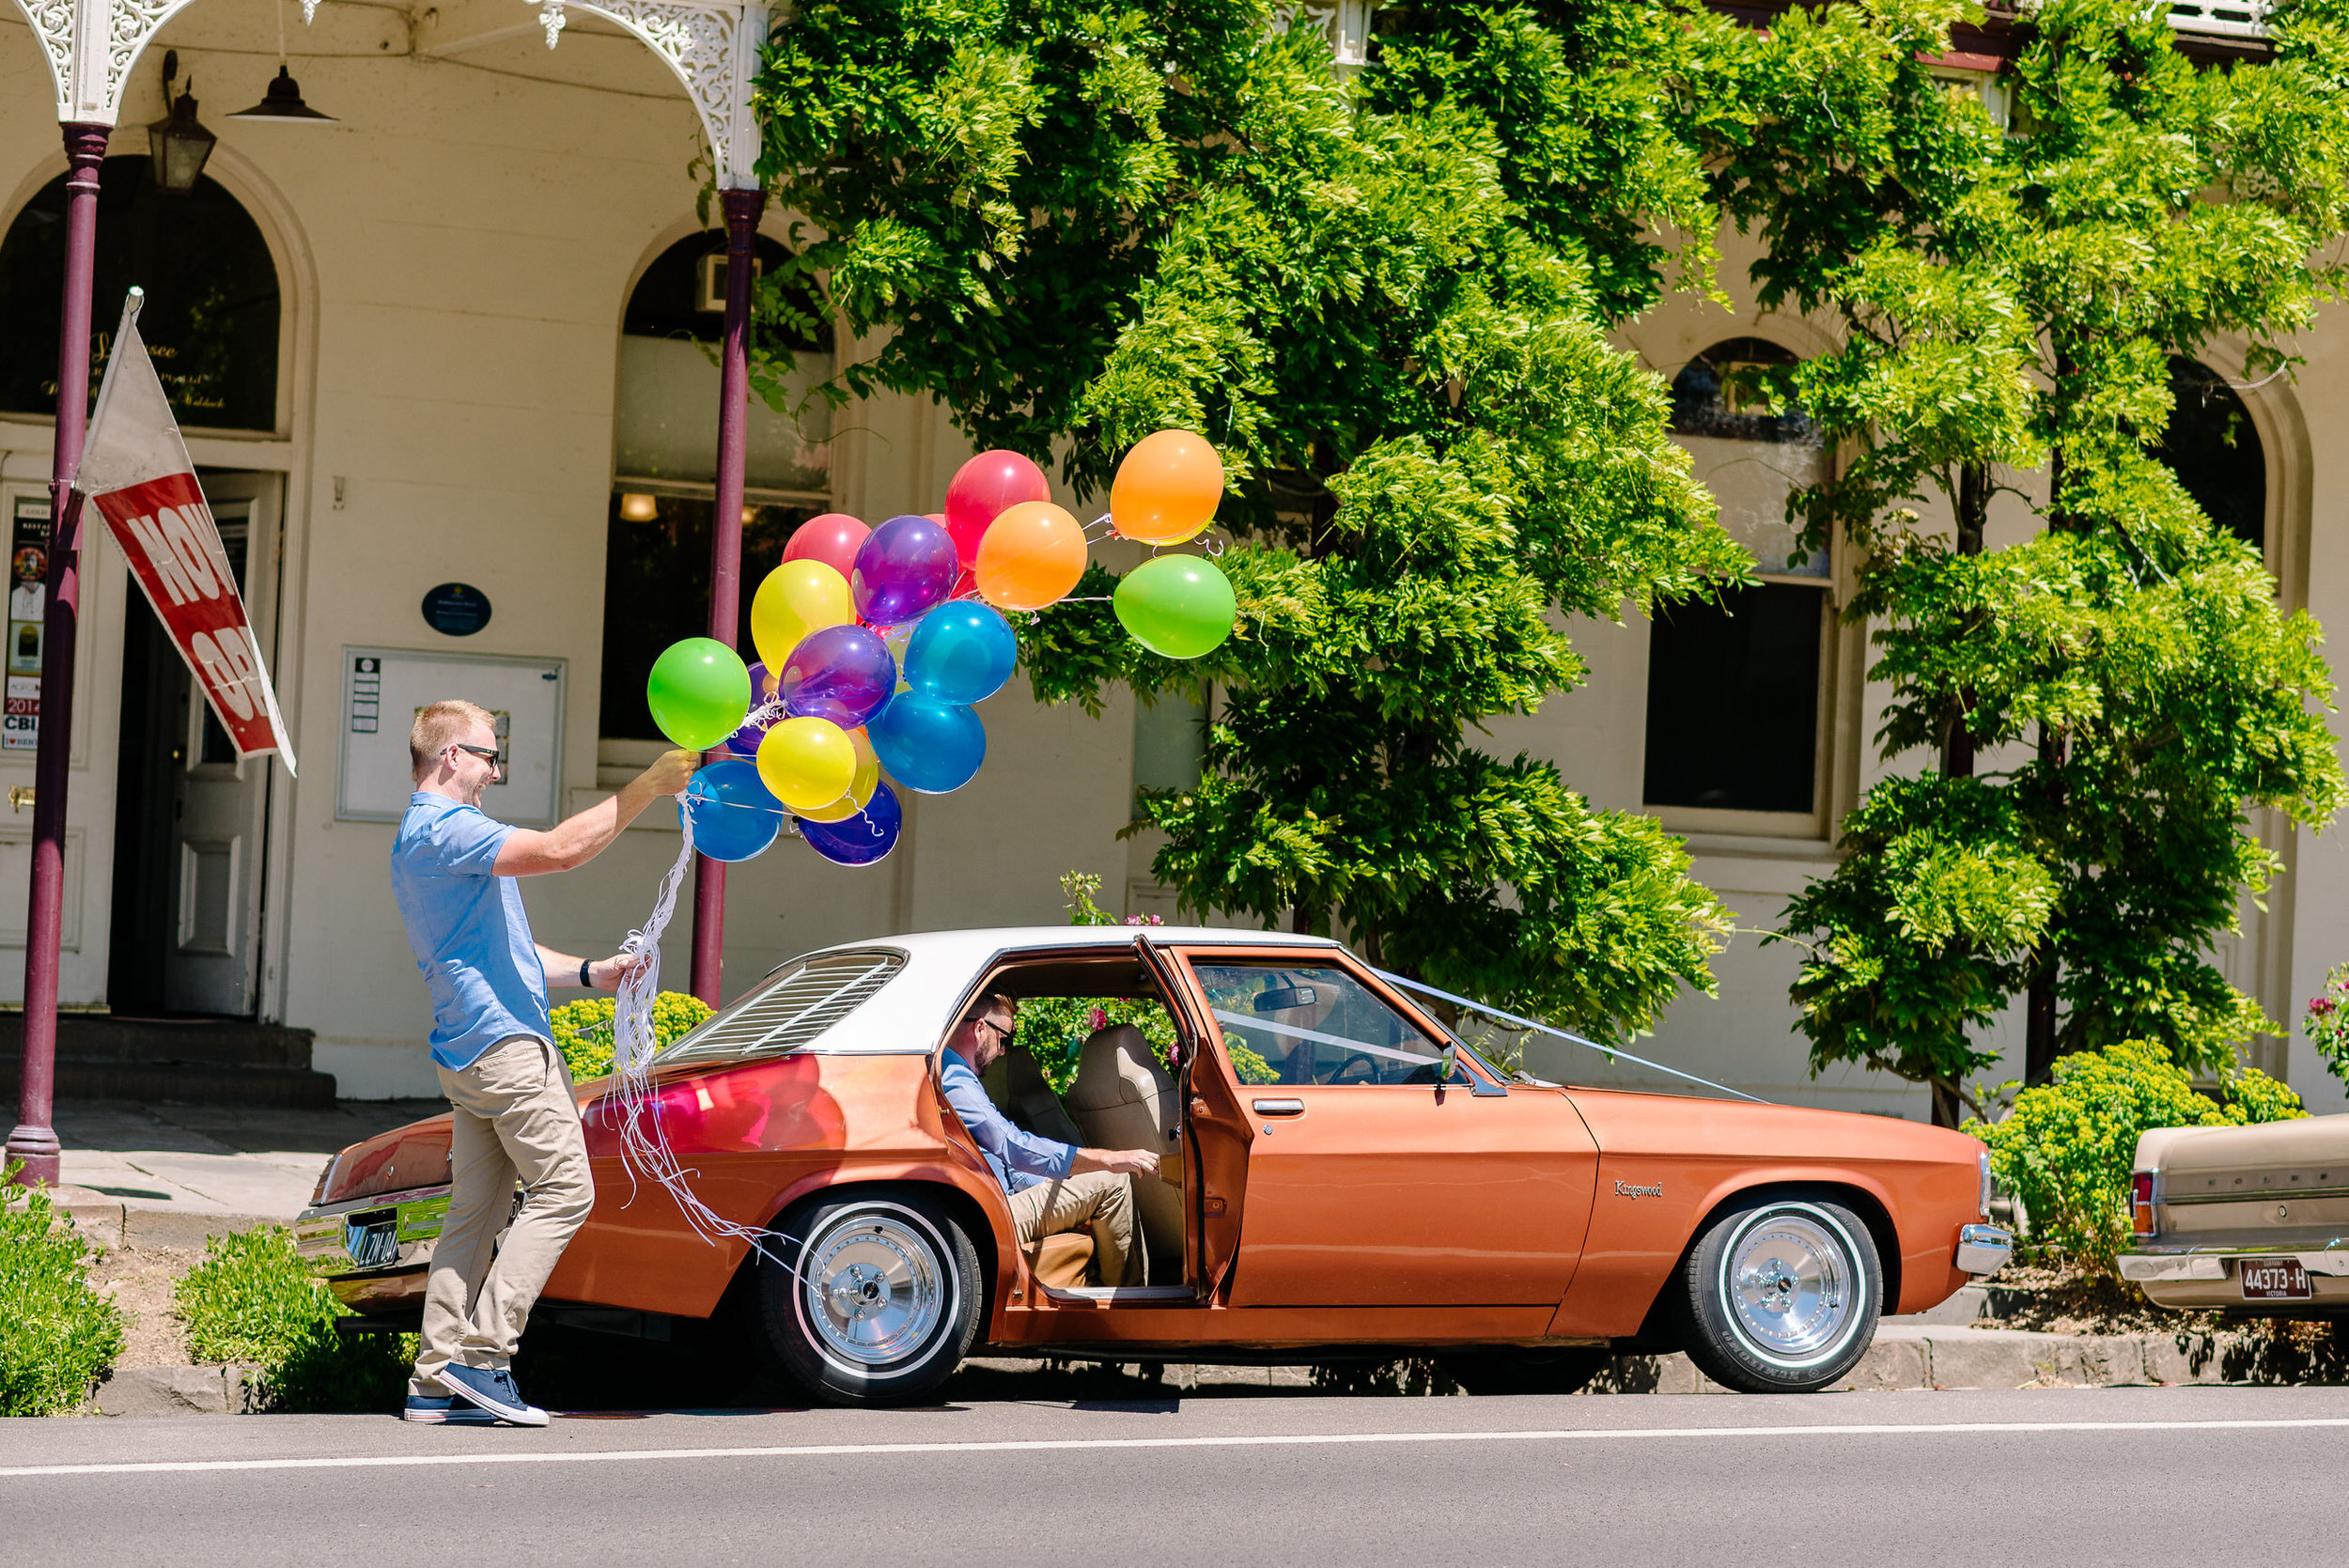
[
  {"x": 832, "y": 539},
  {"x": 984, "y": 489}
]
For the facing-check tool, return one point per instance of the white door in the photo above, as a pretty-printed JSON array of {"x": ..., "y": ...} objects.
[{"x": 220, "y": 806}]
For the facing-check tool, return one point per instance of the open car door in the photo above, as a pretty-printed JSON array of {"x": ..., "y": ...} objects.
[{"x": 1375, "y": 1173}]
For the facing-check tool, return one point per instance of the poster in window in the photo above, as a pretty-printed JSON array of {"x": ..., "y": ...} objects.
[{"x": 28, "y": 568}]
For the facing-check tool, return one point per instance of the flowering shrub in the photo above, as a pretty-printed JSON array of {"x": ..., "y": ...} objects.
[
  {"x": 2327, "y": 1022},
  {"x": 582, "y": 1029},
  {"x": 2068, "y": 1147}
]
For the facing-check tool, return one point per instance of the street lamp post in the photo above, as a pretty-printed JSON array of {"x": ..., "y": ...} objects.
[
  {"x": 743, "y": 210},
  {"x": 35, "y": 1140}
]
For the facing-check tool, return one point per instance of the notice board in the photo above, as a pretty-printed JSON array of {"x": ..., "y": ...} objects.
[{"x": 382, "y": 690}]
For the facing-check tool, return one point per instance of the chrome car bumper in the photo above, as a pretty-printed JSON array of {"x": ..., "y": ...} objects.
[
  {"x": 2157, "y": 1264},
  {"x": 390, "y": 1229},
  {"x": 1983, "y": 1248}
]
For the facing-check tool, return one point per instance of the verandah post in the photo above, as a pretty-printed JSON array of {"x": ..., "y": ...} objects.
[
  {"x": 35, "y": 1140},
  {"x": 743, "y": 210}
]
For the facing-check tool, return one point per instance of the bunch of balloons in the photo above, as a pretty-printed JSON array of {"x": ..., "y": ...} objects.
[{"x": 874, "y": 645}]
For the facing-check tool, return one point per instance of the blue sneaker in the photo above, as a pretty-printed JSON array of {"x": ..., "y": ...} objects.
[
  {"x": 444, "y": 1412},
  {"x": 493, "y": 1390}
]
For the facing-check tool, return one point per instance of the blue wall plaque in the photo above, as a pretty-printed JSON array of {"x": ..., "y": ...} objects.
[{"x": 458, "y": 609}]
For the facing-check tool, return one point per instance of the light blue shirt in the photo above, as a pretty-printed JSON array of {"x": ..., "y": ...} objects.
[
  {"x": 1019, "y": 1159},
  {"x": 467, "y": 925}
]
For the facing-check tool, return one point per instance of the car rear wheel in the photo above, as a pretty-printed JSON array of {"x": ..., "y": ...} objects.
[
  {"x": 1780, "y": 1296},
  {"x": 871, "y": 1300},
  {"x": 1523, "y": 1372}
]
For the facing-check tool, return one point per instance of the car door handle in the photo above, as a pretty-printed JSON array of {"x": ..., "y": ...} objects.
[{"x": 1279, "y": 1107}]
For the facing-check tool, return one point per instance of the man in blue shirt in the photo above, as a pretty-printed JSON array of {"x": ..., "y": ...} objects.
[
  {"x": 1053, "y": 1186},
  {"x": 452, "y": 872}
]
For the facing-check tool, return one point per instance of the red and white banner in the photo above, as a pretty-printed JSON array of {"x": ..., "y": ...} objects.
[{"x": 135, "y": 467}]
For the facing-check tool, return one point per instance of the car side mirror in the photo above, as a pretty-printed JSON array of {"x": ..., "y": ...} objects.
[{"x": 1447, "y": 1065}]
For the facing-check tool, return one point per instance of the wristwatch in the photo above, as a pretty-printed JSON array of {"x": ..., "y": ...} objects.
[{"x": 586, "y": 982}]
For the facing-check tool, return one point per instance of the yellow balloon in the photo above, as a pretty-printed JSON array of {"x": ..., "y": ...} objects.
[
  {"x": 807, "y": 762},
  {"x": 797, "y": 597},
  {"x": 859, "y": 789}
]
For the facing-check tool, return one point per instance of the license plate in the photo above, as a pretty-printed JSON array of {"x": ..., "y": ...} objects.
[{"x": 2274, "y": 1279}]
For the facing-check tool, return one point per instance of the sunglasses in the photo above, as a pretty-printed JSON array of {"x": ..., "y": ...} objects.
[
  {"x": 1001, "y": 1033},
  {"x": 487, "y": 754}
]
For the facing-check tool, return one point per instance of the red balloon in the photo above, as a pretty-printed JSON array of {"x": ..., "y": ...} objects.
[
  {"x": 984, "y": 489},
  {"x": 832, "y": 539}
]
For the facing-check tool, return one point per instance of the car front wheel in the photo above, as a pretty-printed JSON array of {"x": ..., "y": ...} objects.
[
  {"x": 1780, "y": 1296},
  {"x": 872, "y": 1300}
]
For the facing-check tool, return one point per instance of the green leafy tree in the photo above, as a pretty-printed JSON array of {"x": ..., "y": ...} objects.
[
  {"x": 1385, "y": 297},
  {"x": 2095, "y": 707}
]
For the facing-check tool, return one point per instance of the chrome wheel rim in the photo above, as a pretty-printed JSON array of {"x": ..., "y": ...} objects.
[
  {"x": 1792, "y": 1287},
  {"x": 873, "y": 1289}
]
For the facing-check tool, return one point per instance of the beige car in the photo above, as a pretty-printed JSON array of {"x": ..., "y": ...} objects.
[{"x": 2243, "y": 1219}]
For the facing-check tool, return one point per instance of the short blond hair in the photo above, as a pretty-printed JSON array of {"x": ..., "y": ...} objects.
[
  {"x": 992, "y": 1002},
  {"x": 438, "y": 727}
]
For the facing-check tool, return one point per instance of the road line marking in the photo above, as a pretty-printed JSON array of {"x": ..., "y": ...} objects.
[{"x": 1038, "y": 1445}]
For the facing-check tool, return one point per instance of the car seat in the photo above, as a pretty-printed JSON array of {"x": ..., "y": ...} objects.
[{"x": 1124, "y": 1099}]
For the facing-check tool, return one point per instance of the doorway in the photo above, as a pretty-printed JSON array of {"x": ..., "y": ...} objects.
[{"x": 189, "y": 818}]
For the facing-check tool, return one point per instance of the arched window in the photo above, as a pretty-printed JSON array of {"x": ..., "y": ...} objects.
[
  {"x": 2213, "y": 449},
  {"x": 212, "y": 302},
  {"x": 1735, "y": 688},
  {"x": 664, "y": 458}
]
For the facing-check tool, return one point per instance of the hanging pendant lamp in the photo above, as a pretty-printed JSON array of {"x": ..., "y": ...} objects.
[{"x": 282, "y": 105}]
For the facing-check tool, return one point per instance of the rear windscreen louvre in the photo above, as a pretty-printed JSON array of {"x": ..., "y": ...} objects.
[{"x": 790, "y": 1010}]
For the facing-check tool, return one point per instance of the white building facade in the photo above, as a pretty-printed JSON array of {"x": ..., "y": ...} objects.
[{"x": 453, "y": 338}]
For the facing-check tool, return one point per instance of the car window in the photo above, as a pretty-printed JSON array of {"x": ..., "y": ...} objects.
[
  {"x": 1286, "y": 1024},
  {"x": 801, "y": 1001}
]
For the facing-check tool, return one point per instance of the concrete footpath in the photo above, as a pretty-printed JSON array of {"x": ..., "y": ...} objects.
[{"x": 173, "y": 1174}]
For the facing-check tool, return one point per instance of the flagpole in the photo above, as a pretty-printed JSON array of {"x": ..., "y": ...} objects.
[
  {"x": 742, "y": 209},
  {"x": 35, "y": 1140}
]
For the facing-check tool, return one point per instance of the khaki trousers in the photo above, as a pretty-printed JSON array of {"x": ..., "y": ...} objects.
[
  {"x": 1100, "y": 1201},
  {"x": 515, "y": 1120}
]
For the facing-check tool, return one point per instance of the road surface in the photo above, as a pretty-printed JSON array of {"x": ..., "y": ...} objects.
[{"x": 2072, "y": 1477}]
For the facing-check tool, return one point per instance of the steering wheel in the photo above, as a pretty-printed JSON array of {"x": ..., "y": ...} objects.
[{"x": 1369, "y": 1075}]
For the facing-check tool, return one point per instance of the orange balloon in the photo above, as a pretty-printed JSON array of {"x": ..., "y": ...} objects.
[
  {"x": 1167, "y": 489},
  {"x": 1031, "y": 556}
]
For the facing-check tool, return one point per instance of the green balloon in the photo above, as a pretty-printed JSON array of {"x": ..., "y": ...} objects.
[
  {"x": 1180, "y": 606},
  {"x": 699, "y": 691}
]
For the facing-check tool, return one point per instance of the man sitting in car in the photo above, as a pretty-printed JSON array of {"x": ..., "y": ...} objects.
[{"x": 1053, "y": 1186}]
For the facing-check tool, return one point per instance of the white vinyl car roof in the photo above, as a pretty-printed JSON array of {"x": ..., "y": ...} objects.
[{"x": 911, "y": 1012}]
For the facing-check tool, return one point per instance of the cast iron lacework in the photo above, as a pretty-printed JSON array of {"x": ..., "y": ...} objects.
[{"x": 711, "y": 45}]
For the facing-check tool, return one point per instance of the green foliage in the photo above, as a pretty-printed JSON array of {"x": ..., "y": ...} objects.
[
  {"x": 2068, "y": 1146},
  {"x": 1053, "y": 1029},
  {"x": 57, "y": 1335},
  {"x": 254, "y": 1300},
  {"x": 2327, "y": 1024},
  {"x": 2010, "y": 298},
  {"x": 582, "y": 1029},
  {"x": 1385, "y": 298}
]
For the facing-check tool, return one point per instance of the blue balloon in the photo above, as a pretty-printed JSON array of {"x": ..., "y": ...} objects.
[
  {"x": 928, "y": 746},
  {"x": 734, "y": 816},
  {"x": 863, "y": 838},
  {"x": 961, "y": 652}
]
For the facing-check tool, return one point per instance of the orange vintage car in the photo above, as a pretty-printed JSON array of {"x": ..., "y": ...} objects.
[{"x": 1342, "y": 1176}]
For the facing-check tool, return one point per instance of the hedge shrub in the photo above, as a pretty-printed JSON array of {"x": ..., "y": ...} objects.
[
  {"x": 582, "y": 1029},
  {"x": 2068, "y": 1147},
  {"x": 57, "y": 1334},
  {"x": 253, "y": 1300}
]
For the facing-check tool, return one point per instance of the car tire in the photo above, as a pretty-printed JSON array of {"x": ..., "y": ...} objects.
[
  {"x": 868, "y": 1299},
  {"x": 1780, "y": 1296},
  {"x": 1523, "y": 1372}
]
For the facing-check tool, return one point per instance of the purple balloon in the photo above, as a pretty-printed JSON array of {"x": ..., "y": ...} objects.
[
  {"x": 744, "y": 741},
  {"x": 840, "y": 672},
  {"x": 863, "y": 839},
  {"x": 904, "y": 568}
]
